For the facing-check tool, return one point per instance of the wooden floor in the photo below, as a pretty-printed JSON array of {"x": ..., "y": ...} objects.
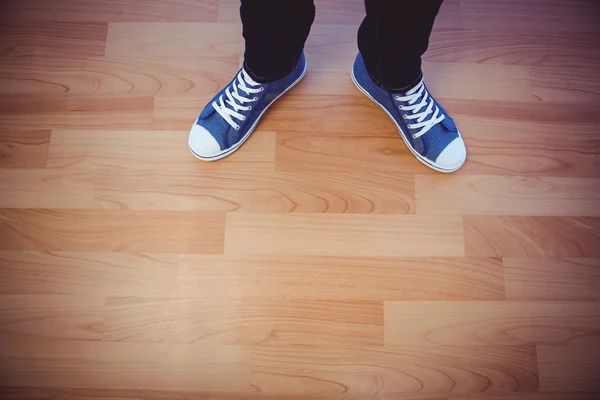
[{"x": 320, "y": 261}]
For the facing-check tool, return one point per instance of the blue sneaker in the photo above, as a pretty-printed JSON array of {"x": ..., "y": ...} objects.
[
  {"x": 425, "y": 126},
  {"x": 230, "y": 117}
]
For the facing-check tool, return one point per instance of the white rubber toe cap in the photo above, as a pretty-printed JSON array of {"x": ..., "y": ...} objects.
[
  {"x": 453, "y": 156},
  {"x": 202, "y": 143}
]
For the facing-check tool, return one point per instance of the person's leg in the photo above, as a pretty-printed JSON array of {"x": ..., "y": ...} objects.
[
  {"x": 393, "y": 37},
  {"x": 275, "y": 32}
]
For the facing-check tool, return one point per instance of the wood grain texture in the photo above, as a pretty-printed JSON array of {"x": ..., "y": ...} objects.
[
  {"x": 491, "y": 323},
  {"x": 52, "y": 39},
  {"x": 98, "y": 365},
  {"x": 16, "y": 393},
  {"x": 114, "y": 76},
  {"x": 51, "y": 317},
  {"x": 513, "y": 47},
  {"x": 76, "y": 111},
  {"x": 552, "y": 279},
  {"x": 245, "y": 321},
  {"x": 529, "y": 16},
  {"x": 394, "y": 370},
  {"x": 125, "y": 231},
  {"x": 493, "y": 195},
  {"x": 346, "y": 278},
  {"x": 501, "y": 147},
  {"x": 83, "y": 273},
  {"x": 53, "y": 393},
  {"x": 129, "y": 151},
  {"x": 45, "y": 188},
  {"x": 321, "y": 261},
  {"x": 574, "y": 84},
  {"x": 257, "y": 192},
  {"x": 24, "y": 149},
  {"x": 528, "y": 396},
  {"x": 170, "y": 40},
  {"x": 114, "y": 10},
  {"x": 566, "y": 368},
  {"x": 536, "y": 237},
  {"x": 530, "y": 147},
  {"x": 329, "y": 235}
]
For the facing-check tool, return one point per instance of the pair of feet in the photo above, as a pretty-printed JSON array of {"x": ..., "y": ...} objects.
[{"x": 231, "y": 116}]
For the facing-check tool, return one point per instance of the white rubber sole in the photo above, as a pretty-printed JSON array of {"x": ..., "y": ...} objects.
[
  {"x": 230, "y": 150},
  {"x": 419, "y": 157}
]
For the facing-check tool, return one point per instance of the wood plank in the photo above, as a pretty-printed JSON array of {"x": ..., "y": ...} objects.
[
  {"x": 115, "y": 75},
  {"x": 552, "y": 279},
  {"x": 447, "y": 44},
  {"x": 513, "y": 47},
  {"x": 394, "y": 370},
  {"x": 504, "y": 195},
  {"x": 171, "y": 395},
  {"x": 337, "y": 278},
  {"x": 75, "y": 111},
  {"x": 45, "y": 39},
  {"x": 573, "y": 85},
  {"x": 531, "y": 236},
  {"x": 87, "y": 273},
  {"x": 150, "y": 151},
  {"x": 328, "y": 152},
  {"x": 557, "y": 117},
  {"x": 132, "y": 394},
  {"x": 123, "y": 231},
  {"x": 343, "y": 235},
  {"x": 410, "y": 323},
  {"x": 255, "y": 191},
  {"x": 528, "y": 396},
  {"x": 444, "y": 80},
  {"x": 52, "y": 393},
  {"x": 302, "y": 113},
  {"x": 51, "y": 316},
  {"x": 98, "y": 365},
  {"x": 569, "y": 368},
  {"x": 45, "y": 188},
  {"x": 530, "y": 16},
  {"x": 114, "y": 10},
  {"x": 478, "y": 81},
  {"x": 518, "y": 147},
  {"x": 24, "y": 149},
  {"x": 174, "y": 40},
  {"x": 495, "y": 147},
  {"x": 248, "y": 321}
]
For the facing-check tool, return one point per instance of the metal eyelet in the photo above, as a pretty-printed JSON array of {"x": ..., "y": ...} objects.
[
  {"x": 243, "y": 118},
  {"x": 401, "y": 107},
  {"x": 414, "y": 136},
  {"x": 262, "y": 89},
  {"x": 237, "y": 128},
  {"x": 249, "y": 108},
  {"x": 397, "y": 98},
  {"x": 404, "y": 116},
  {"x": 254, "y": 99}
]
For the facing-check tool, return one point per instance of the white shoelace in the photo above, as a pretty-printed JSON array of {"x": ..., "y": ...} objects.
[
  {"x": 412, "y": 96},
  {"x": 228, "y": 108}
]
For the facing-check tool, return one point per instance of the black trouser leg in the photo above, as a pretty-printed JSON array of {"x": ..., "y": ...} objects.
[
  {"x": 393, "y": 37},
  {"x": 275, "y": 32}
]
